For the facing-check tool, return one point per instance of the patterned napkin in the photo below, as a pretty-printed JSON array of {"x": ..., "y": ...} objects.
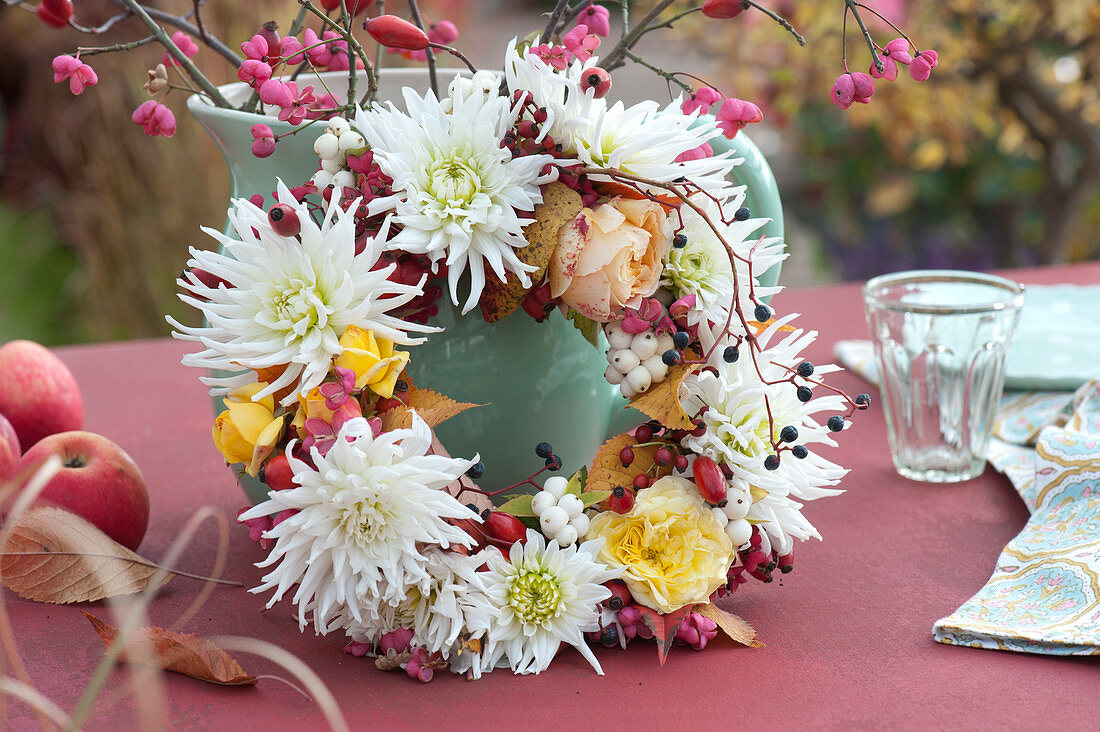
[{"x": 1044, "y": 595}]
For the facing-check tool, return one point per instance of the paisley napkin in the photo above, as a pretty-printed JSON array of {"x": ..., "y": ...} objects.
[{"x": 1044, "y": 595}]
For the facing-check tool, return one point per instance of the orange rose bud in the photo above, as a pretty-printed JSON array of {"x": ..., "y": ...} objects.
[{"x": 393, "y": 32}]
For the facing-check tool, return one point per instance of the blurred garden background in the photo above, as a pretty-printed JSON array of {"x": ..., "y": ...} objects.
[{"x": 995, "y": 162}]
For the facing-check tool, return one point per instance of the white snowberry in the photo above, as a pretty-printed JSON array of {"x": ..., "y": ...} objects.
[
  {"x": 351, "y": 140},
  {"x": 639, "y": 379},
  {"x": 739, "y": 532},
  {"x": 555, "y": 486},
  {"x": 343, "y": 179},
  {"x": 656, "y": 368},
  {"x": 721, "y": 517},
  {"x": 738, "y": 502},
  {"x": 580, "y": 524},
  {"x": 627, "y": 390},
  {"x": 332, "y": 165},
  {"x": 338, "y": 126},
  {"x": 625, "y": 361},
  {"x": 613, "y": 375},
  {"x": 644, "y": 344},
  {"x": 553, "y": 520},
  {"x": 542, "y": 501},
  {"x": 322, "y": 179},
  {"x": 617, "y": 338},
  {"x": 327, "y": 146},
  {"x": 566, "y": 536},
  {"x": 572, "y": 505},
  {"x": 665, "y": 342}
]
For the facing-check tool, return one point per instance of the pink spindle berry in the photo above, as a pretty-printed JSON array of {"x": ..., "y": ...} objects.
[
  {"x": 155, "y": 119},
  {"x": 276, "y": 93},
  {"x": 696, "y": 631},
  {"x": 398, "y": 640},
  {"x": 852, "y": 87},
  {"x": 893, "y": 53},
  {"x": 699, "y": 153},
  {"x": 735, "y": 114},
  {"x": 254, "y": 72},
  {"x": 597, "y": 18},
  {"x": 255, "y": 48},
  {"x": 596, "y": 79},
  {"x": 185, "y": 44},
  {"x": 295, "y": 112},
  {"x": 256, "y": 526},
  {"x": 923, "y": 63},
  {"x": 263, "y": 141},
  {"x": 702, "y": 100},
  {"x": 80, "y": 75},
  {"x": 357, "y": 649},
  {"x": 634, "y": 325},
  {"x": 579, "y": 43},
  {"x": 630, "y": 619},
  {"x": 291, "y": 49}
]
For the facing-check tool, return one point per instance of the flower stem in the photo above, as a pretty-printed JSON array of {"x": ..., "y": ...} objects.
[{"x": 197, "y": 76}]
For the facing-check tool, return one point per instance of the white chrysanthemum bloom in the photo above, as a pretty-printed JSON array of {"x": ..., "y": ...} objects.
[
  {"x": 702, "y": 267},
  {"x": 737, "y": 430},
  {"x": 546, "y": 595},
  {"x": 290, "y": 298},
  {"x": 456, "y": 191},
  {"x": 441, "y": 609},
  {"x": 363, "y": 518}
]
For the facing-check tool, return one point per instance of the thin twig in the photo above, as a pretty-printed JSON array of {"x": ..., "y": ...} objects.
[
  {"x": 100, "y": 29},
  {"x": 198, "y": 22},
  {"x": 667, "y": 76},
  {"x": 552, "y": 24},
  {"x": 456, "y": 53},
  {"x": 414, "y": 8},
  {"x": 614, "y": 58},
  {"x": 778, "y": 19},
  {"x": 181, "y": 23},
  {"x": 852, "y": 6},
  {"x": 95, "y": 50}
]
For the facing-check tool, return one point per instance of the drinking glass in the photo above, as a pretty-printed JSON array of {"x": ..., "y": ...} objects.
[{"x": 941, "y": 341}]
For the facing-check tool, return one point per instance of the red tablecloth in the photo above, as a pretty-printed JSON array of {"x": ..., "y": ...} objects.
[{"x": 847, "y": 634}]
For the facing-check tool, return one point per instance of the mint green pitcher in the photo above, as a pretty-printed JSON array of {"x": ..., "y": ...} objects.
[{"x": 539, "y": 381}]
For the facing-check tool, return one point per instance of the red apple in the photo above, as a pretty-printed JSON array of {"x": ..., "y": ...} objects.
[
  {"x": 98, "y": 481},
  {"x": 9, "y": 449},
  {"x": 38, "y": 393}
]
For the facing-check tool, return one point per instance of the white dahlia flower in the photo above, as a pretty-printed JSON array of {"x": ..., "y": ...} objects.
[
  {"x": 737, "y": 430},
  {"x": 457, "y": 192},
  {"x": 545, "y": 596},
  {"x": 364, "y": 517},
  {"x": 289, "y": 299}
]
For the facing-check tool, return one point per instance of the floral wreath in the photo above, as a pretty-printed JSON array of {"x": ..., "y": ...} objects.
[{"x": 523, "y": 191}]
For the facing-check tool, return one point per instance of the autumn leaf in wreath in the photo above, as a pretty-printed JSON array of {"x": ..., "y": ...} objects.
[
  {"x": 434, "y": 408},
  {"x": 662, "y": 402},
  {"x": 608, "y": 472}
]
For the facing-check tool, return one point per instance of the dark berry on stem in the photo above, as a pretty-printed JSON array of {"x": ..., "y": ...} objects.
[
  {"x": 681, "y": 462},
  {"x": 401, "y": 385},
  {"x": 663, "y": 456},
  {"x": 805, "y": 369},
  {"x": 670, "y": 357},
  {"x": 544, "y": 449},
  {"x": 771, "y": 462},
  {"x": 643, "y": 433},
  {"x": 609, "y": 636},
  {"x": 553, "y": 463},
  {"x": 626, "y": 456},
  {"x": 621, "y": 500},
  {"x": 762, "y": 313},
  {"x": 731, "y": 354},
  {"x": 799, "y": 451},
  {"x": 789, "y": 433},
  {"x": 476, "y": 470},
  {"x": 679, "y": 241},
  {"x": 641, "y": 481},
  {"x": 742, "y": 214},
  {"x": 804, "y": 394},
  {"x": 835, "y": 423},
  {"x": 681, "y": 339},
  {"x": 863, "y": 401}
]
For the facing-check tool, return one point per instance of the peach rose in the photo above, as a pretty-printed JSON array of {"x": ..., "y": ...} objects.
[{"x": 610, "y": 256}]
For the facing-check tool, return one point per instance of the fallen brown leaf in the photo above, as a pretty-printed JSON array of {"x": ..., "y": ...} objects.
[
  {"x": 733, "y": 626},
  {"x": 662, "y": 402},
  {"x": 434, "y": 408},
  {"x": 58, "y": 557},
  {"x": 607, "y": 471},
  {"x": 560, "y": 204},
  {"x": 182, "y": 653}
]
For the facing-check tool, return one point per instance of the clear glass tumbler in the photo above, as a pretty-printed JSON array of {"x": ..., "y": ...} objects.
[{"x": 941, "y": 340}]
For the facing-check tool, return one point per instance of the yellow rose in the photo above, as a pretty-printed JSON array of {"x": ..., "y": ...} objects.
[
  {"x": 247, "y": 431},
  {"x": 374, "y": 360},
  {"x": 610, "y": 256},
  {"x": 672, "y": 550}
]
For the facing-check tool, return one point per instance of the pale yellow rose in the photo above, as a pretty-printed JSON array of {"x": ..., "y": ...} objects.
[
  {"x": 672, "y": 549},
  {"x": 247, "y": 431},
  {"x": 609, "y": 257},
  {"x": 374, "y": 359}
]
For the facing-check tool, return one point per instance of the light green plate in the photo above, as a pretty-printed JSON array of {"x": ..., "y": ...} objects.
[{"x": 1057, "y": 345}]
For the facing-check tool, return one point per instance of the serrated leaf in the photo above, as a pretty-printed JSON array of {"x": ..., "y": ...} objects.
[
  {"x": 432, "y": 407},
  {"x": 591, "y": 498},
  {"x": 733, "y": 626},
  {"x": 589, "y": 328},
  {"x": 182, "y": 653},
  {"x": 662, "y": 402},
  {"x": 560, "y": 204},
  {"x": 664, "y": 627},
  {"x": 518, "y": 506},
  {"x": 57, "y": 557},
  {"x": 574, "y": 486},
  {"x": 607, "y": 472}
]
